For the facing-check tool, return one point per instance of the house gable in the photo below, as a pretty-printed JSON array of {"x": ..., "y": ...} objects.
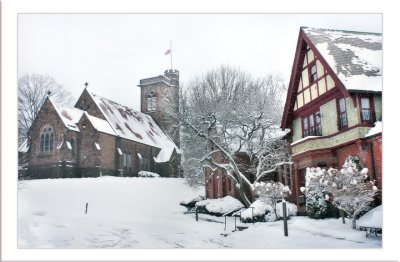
[{"x": 312, "y": 81}]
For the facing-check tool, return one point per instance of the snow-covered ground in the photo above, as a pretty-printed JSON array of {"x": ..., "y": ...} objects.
[{"x": 145, "y": 213}]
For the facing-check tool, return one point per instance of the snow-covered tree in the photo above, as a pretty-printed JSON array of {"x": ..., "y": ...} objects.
[
  {"x": 348, "y": 189},
  {"x": 225, "y": 112},
  {"x": 271, "y": 193}
]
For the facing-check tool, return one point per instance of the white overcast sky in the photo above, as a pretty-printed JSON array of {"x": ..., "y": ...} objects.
[{"x": 112, "y": 52}]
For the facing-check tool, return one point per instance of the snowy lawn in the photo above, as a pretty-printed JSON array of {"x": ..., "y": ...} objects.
[{"x": 145, "y": 213}]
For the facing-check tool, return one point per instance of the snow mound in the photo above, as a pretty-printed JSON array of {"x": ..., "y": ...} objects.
[
  {"x": 372, "y": 218},
  {"x": 190, "y": 202},
  {"x": 264, "y": 212},
  {"x": 148, "y": 174},
  {"x": 219, "y": 206},
  {"x": 258, "y": 209}
]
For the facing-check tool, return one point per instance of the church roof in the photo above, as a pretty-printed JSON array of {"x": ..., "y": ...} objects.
[
  {"x": 121, "y": 121},
  {"x": 355, "y": 57},
  {"x": 69, "y": 115},
  {"x": 133, "y": 125}
]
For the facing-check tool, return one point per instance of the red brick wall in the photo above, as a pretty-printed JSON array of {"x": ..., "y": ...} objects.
[
  {"x": 368, "y": 150},
  {"x": 376, "y": 143}
]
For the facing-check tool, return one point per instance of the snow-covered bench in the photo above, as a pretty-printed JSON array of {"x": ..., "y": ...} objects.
[
  {"x": 371, "y": 222},
  {"x": 235, "y": 213},
  {"x": 371, "y": 230}
]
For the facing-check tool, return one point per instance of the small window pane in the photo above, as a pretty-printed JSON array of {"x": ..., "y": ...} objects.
[
  {"x": 51, "y": 141},
  {"x": 46, "y": 142},
  {"x": 313, "y": 69},
  {"x": 318, "y": 117},
  {"x": 365, "y": 102},
  {"x": 311, "y": 120},
  {"x": 342, "y": 105},
  {"x": 305, "y": 123},
  {"x": 42, "y": 143}
]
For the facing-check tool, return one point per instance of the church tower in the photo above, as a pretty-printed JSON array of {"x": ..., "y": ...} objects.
[{"x": 160, "y": 99}]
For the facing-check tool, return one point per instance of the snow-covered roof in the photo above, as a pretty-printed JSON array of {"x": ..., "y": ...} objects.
[
  {"x": 24, "y": 147},
  {"x": 372, "y": 218},
  {"x": 355, "y": 57},
  {"x": 100, "y": 125},
  {"x": 69, "y": 115},
  {"x": 133, "y": 125},
  {"x": 375, "y": 130}
]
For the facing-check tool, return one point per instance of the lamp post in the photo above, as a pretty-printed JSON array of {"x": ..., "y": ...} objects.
[{"x": 285, "y": 227}]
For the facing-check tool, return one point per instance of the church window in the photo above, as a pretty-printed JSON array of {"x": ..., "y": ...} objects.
[
  {"x": 46, "y": 140},
  {"x": 151, "y": 101}
]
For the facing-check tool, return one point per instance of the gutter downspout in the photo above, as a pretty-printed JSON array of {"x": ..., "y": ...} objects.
[{"x": 372, "y": 160}]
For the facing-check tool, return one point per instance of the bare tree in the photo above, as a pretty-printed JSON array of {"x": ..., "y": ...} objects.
[
  {"x": 226, "y": 111},
  {"x": 32, "y": 92}
]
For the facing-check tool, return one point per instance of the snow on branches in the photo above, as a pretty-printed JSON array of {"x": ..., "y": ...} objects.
[
  {"x": 348, "y": 189},
  {"x": 271, "y": 193},
  {"x": 227, "y": 112}
]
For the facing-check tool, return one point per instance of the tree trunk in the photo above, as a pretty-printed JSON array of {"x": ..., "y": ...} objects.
[
  {"x": 353, "y": 222},
  {"x": 242, "y": 194},
  {"x": 341, "y": 214}
]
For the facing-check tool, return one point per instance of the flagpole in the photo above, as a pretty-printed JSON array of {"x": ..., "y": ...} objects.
[{"x": 170, "y": 48}]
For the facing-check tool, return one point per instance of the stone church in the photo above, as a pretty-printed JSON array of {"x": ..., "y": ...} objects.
[{"x": 101, "y": 137}]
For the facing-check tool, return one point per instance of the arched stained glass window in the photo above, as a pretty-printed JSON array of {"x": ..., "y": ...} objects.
[{"x": 46, "y": 139}]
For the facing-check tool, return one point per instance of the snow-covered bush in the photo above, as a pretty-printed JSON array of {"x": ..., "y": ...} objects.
[
  {"x": 218, "y": 206},
  {"x": 148, "y": 174},
  {"x": 271, "y": 193},
  {"x": 316, "y": 205},
  {"x": 347, "y": 189},
  {"x": 291, "y": 209},
  {"x": 258, "y": 209},
  {"x": 190, "y": 202},
  {"x": 263, "y": 212}
]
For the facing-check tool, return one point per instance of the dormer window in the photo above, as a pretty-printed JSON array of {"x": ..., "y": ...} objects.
[
  {"x": 313, "y": 73},
  {"x": 151, "y": 101}
]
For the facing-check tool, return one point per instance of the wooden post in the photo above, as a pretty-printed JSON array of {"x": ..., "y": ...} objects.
[
  {"x": 235, "y": 223},
  {"x": 341, "y": 214},
  {"x": 252, "y": 214},
  {"x": 225, "y": 224},
  {"x": 285, "y": 227},
  {"x": 197, "y": 213},
  {"x": 87, "y": 204}
]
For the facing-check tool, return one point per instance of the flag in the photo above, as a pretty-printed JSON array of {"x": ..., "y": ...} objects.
[{"x": 167, "y": 52}]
